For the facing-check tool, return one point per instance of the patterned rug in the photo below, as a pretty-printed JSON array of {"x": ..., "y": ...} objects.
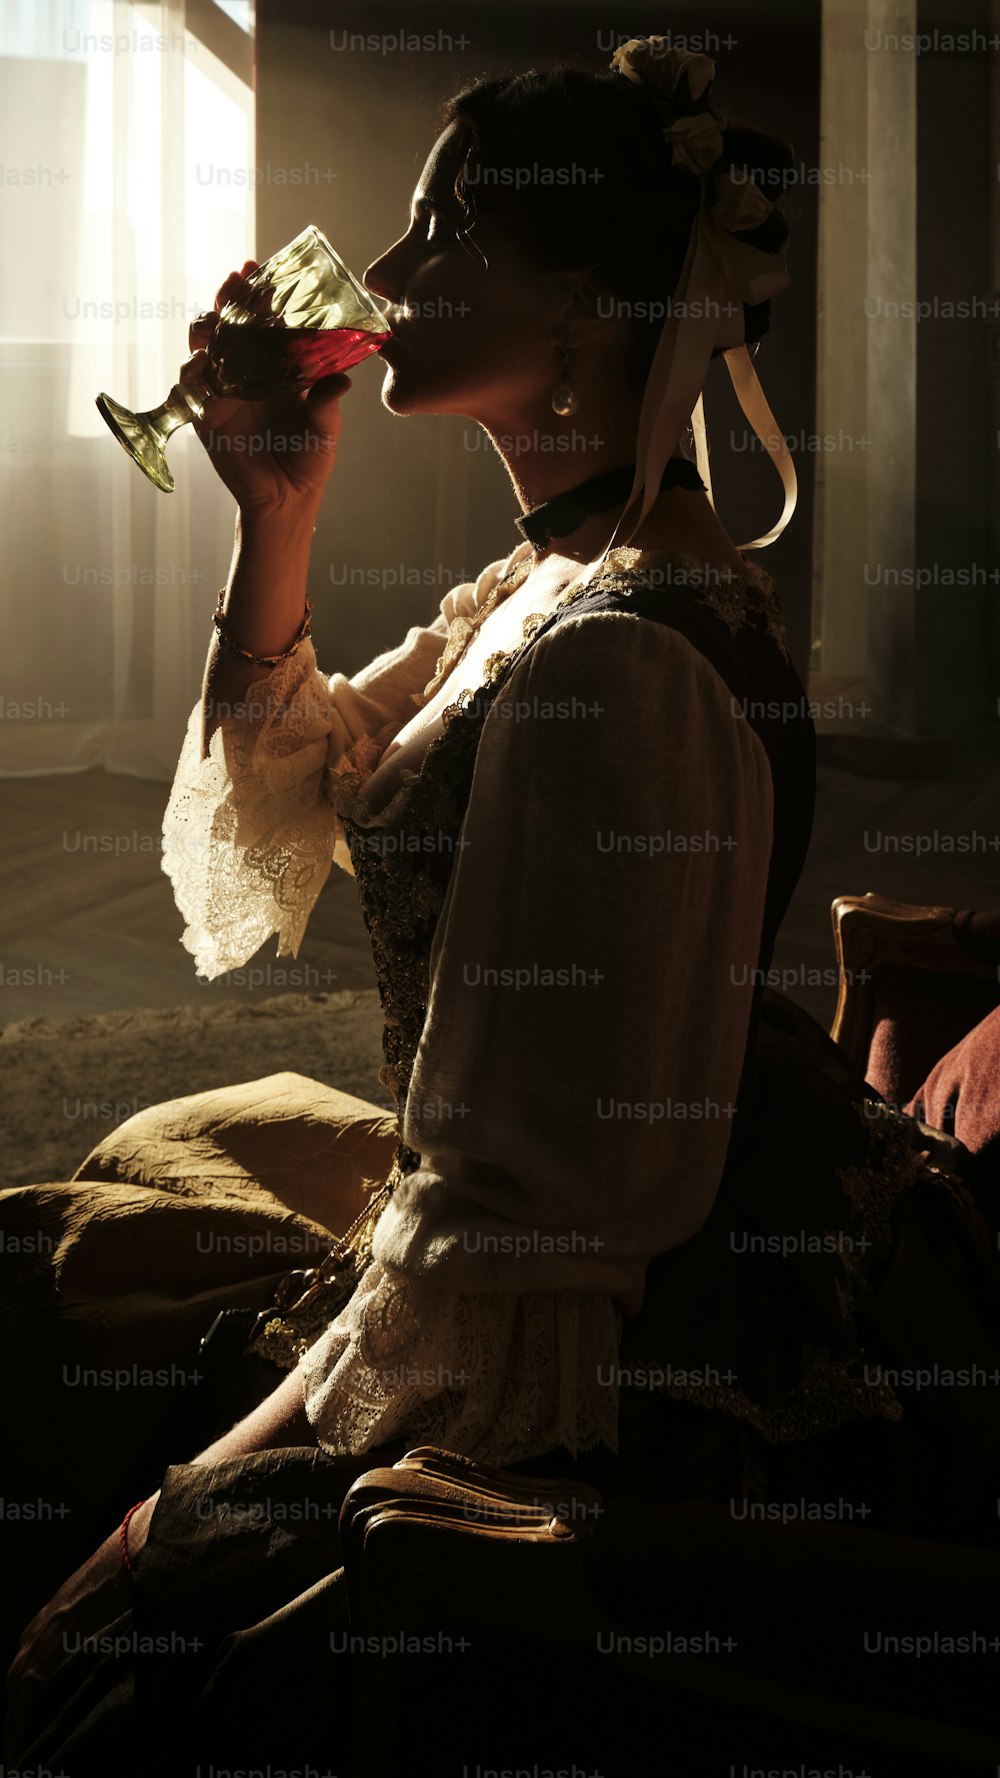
[{"x": 65, "y": 1084}]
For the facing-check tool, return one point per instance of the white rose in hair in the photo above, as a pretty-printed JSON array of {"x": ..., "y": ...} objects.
[{"x": 650, "y": 61}]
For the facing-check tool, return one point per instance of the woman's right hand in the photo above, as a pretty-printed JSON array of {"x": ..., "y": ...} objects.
[{"x": 275, "y": 455}]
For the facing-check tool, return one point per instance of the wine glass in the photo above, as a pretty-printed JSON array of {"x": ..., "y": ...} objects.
[{"x": 300, "y": 316}]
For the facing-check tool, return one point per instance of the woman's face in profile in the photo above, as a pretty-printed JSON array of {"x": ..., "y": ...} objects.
[{"x": 474, "y": 339}]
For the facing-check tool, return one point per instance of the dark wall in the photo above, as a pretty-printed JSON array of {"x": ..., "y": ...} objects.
[{"x": 341, "y": 139}]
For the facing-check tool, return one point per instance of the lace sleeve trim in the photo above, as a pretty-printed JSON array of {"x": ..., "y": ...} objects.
[
  {"x": 496, "y": 1375},
  {"x": 249, "y": 836}
]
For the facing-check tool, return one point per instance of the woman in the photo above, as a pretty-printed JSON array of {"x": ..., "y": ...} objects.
[{"x": 639, "y": 1222}]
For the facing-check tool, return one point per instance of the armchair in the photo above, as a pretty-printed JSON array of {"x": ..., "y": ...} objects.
[
  {"x": 919, "y": 1014},
  {"x": 634, "y": 1640}
]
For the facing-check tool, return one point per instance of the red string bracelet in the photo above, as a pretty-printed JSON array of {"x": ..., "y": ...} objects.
[{"x": 123, "y": 1535}]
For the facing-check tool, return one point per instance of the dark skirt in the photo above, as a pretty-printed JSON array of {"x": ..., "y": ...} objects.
[
  {"x": 825, "y": 1351},
  {"x": 832, "y": 1334}
]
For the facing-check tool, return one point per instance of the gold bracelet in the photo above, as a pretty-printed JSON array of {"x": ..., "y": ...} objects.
[{"x": 259, "y": 660}]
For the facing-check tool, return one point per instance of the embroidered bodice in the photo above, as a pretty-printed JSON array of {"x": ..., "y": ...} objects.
[{"x": 402, "y": 858}]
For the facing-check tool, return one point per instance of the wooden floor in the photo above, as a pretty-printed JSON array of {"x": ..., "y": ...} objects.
[
  {"x": 88, "y": 921},
  {"x": 89, "y": 924}
]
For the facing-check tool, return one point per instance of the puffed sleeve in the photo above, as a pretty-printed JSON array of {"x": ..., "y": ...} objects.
[
  {"x": 249, "y": 834},
  {"x": 591, "y": 972}
]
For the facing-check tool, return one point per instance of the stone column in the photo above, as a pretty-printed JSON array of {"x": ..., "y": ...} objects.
[
  {"x": 993, "y": 492},
  {"x": 866, "y": 381}
]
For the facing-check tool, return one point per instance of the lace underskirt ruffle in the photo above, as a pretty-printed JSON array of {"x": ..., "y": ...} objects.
[{"x": 496, "y": 1375}]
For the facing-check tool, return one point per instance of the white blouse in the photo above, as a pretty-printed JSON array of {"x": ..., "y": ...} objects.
[{"x": 591, "y": 977}]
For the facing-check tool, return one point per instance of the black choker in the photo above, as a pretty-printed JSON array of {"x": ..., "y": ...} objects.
[{"x": 563, "y": 514}]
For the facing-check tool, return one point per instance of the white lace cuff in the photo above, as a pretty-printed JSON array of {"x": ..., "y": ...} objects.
[
  {"x": 248, "y": 834},
  {"x": 495, "y": 1375}
]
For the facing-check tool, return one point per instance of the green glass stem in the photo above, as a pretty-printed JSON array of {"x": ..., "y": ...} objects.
[{"x": 145, "y": 436}]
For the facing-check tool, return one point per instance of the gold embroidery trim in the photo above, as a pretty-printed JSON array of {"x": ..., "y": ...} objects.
[
  {"x": 826, "y": 1396},
  {"x": 738, "y": 600},
  {"x": 903, "y": 1155}
]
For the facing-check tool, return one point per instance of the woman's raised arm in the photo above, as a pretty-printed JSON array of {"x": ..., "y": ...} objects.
[{"x": 275, "y": 456}]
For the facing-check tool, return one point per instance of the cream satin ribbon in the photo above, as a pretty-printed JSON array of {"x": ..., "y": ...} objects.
[{"x": 720, "y": 272}]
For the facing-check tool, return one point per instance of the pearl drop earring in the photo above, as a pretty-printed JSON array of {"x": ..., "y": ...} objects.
[{"x": 563, "y": 399}]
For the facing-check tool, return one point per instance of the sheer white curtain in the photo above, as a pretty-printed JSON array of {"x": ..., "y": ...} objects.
[{"x": 126, "y": 137}]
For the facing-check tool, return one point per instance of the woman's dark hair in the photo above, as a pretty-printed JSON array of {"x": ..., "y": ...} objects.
[{"x": 577, "y": 159}]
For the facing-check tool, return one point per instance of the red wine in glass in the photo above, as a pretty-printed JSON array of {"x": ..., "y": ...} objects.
[
  {"x": 253, "y": 361},
  {"x": 299, "y": 316}
]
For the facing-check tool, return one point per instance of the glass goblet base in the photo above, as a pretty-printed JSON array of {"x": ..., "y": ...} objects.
[{"x": 145, "y": 436}]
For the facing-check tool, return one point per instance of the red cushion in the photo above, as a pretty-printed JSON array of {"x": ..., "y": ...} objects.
[
  {"x": 961, "y": 1094},
  {"x": 919, "y": 1014}
]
